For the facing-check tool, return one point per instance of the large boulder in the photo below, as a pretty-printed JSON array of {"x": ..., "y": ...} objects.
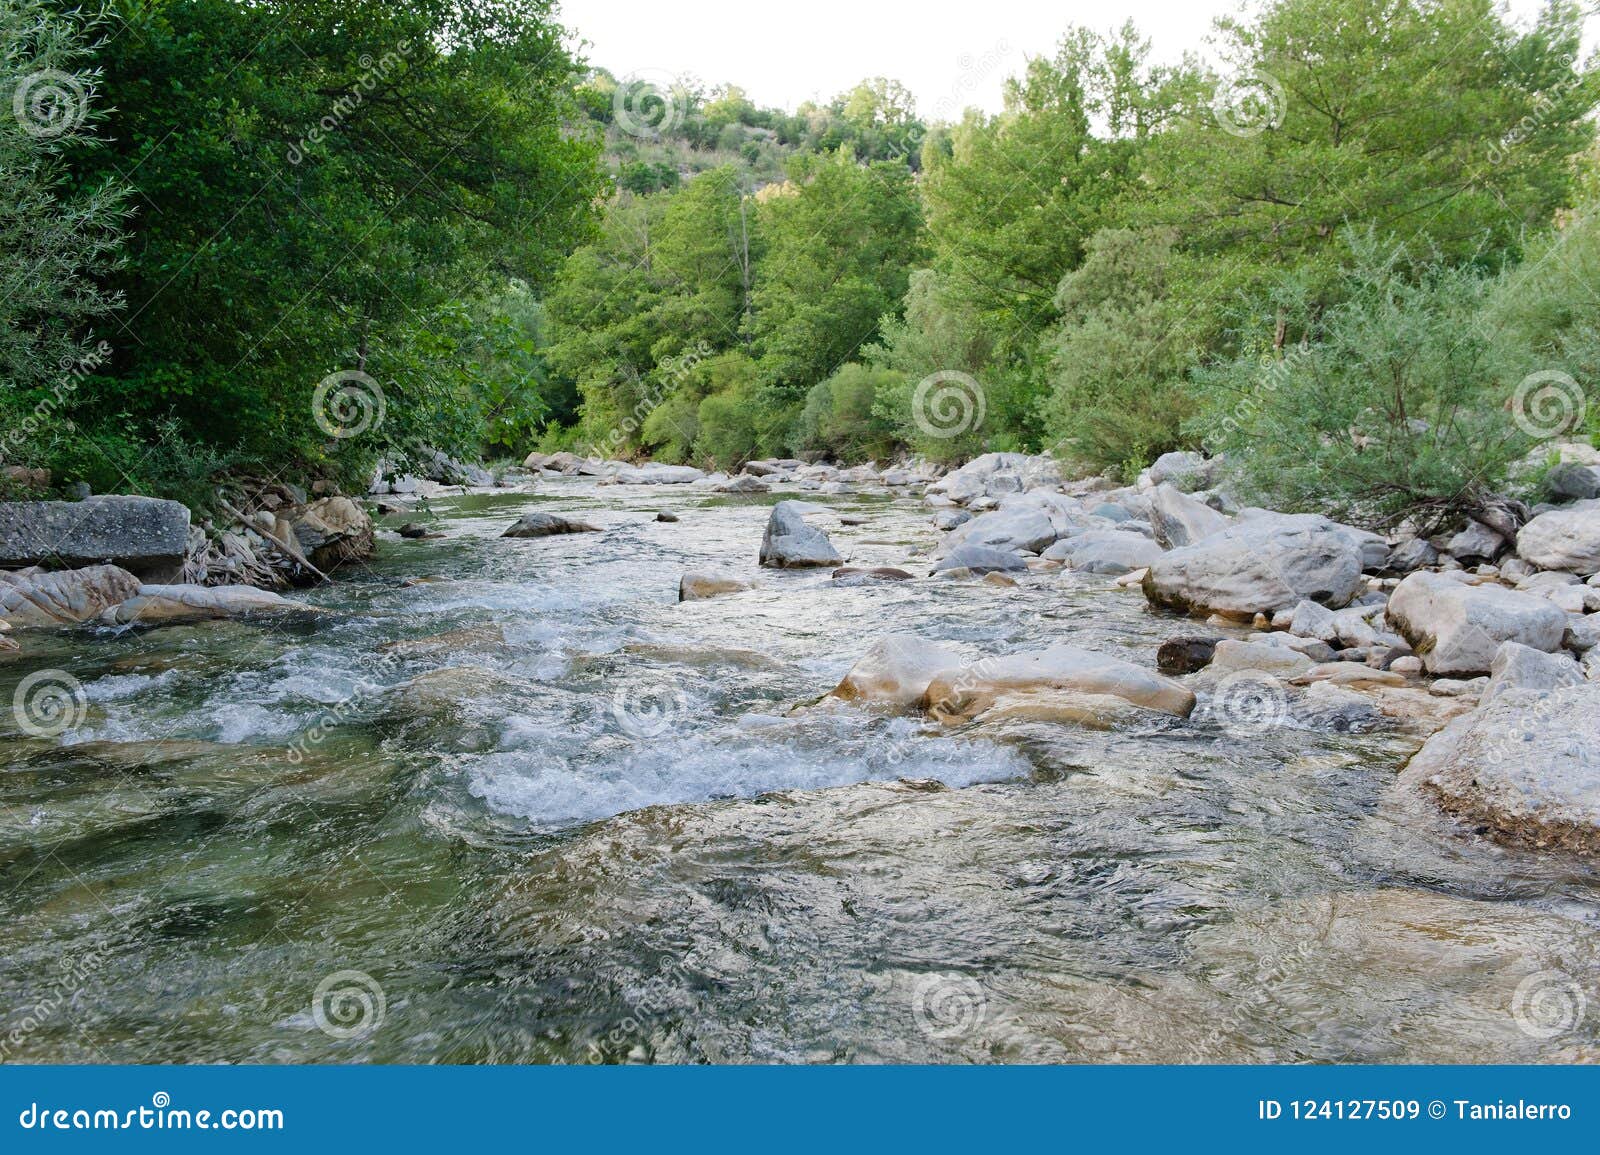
[
  {"x": 166, "y": 604},
  {"x": 1571, "y": 480},
  {"x": 66, "y": 597},
  {"x": 1262, "y": 564},
  {"x": 958, "y": 694},
  {"x": 896, "y": 671},
  {"x": 1526, "y": 765},
  {"x": 1186, "y": 470},
  {"x": 332, "y": 531},
  {"x": 1457, "y": 628},
  {"x": 1566, "y": 539},
  {"x": 539, "y": 524},
  {"x": 143, "y": 535},
  {"x": 657, "y": 475},
  {"x": 790, "y": 543},
  {"x": 1180, "y": 520},
  {"x": 1105, "y": 551},
  {"x": 1004, "y": 529}
]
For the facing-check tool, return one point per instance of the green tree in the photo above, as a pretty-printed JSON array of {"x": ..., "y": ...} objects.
[
  {"x": 325, "y": 185},
  {"x": 58, "y": 238},
  {"x": 841, "y": 240}
]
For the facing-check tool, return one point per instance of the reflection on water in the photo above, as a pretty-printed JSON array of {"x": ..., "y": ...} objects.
[{"x": 514, "y": 803}]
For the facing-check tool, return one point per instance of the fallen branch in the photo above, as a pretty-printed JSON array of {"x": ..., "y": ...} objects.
[{"x": 289, "y": 551}]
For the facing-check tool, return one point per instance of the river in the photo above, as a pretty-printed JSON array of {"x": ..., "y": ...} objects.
[{"x": 605, "y": 826}]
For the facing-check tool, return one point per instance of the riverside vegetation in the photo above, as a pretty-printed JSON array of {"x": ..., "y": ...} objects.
[{"x": 1116, "y": 579}]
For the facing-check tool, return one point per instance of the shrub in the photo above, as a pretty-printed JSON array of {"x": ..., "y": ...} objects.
[
  {"x": 840, "y": 417},
  {"x": 1392, "y": 405}
]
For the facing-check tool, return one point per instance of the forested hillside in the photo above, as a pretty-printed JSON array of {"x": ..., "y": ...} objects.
[{"x": 1380, "y": 208}]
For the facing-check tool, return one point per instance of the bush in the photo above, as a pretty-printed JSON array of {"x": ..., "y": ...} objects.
[
  {"x": 1119, "y": 358},
  {"x": 840, "y": 417},
  {"x": 1392, "y": 405}
]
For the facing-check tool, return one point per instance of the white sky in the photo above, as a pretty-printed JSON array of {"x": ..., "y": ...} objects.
[{"x": 950, "y": 53}]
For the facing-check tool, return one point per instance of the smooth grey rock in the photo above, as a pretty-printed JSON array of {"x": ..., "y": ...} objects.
[
  {"x": 1180, "y": 520},
  {"x": 980, "y": 560},
  {"x": 1519, "y": 667},
  {"x": 538, "y": 524},
  {"x": 1570, "y": 480},
  {"x": 790, "y": 543},
  {"x": 1476, "y": 542},
  {"x": 1456, "y": 628},
  {"x": 144, "y": 535},
  {"x": 1413, "y": 554},
  {"x": 1186, "y": 470},
  {"x": 1564, "y": 539},
  {"x": 948, "y": 519},
  {"x": 1526, "y": 765},
  {"x": 1105, "y": 551},
  {"x": 1264, "y": 563}
]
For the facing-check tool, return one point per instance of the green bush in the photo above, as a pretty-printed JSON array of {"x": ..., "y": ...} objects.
[
  {"x": 840, "y": 418},
  {"x": 1390, "y": 405},
  {"x": 1119, "y": 358}
]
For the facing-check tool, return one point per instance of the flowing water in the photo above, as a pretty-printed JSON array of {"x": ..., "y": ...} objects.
[{"x": 508, "y": 801}]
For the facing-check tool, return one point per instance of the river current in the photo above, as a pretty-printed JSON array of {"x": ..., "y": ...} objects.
[{"x": 509, "y": 801}]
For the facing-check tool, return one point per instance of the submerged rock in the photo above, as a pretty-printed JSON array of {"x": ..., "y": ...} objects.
[
  {"x": 790, "y": 543},
  {"x": 977, "y": 559},
  {"x": 1456, "y": 628},
  {"x": 700, "y": 583},
  {"x": 538, "y": 524},
  {"x": 960, "y": 694},
  {"x": 856, "y": 575},
  {"x": 896, "y": 671},
  {"x": 1185, "y": 655}
]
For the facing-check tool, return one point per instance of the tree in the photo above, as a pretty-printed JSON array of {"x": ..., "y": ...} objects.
[
  {"x": 1432, "y": 121},
  {"x": 58, "y": 240},
  {"x": 324, "y": 185},
  {"x": 840, "y": 243}
]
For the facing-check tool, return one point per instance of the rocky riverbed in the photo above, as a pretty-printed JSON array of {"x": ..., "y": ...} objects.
[{"x": 987, "y": 766}]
